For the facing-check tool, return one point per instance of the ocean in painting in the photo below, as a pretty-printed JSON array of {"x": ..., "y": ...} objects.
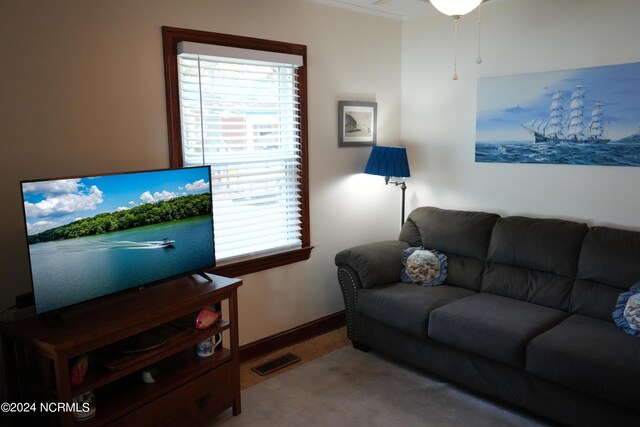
[{"x": 558, "y": 153}]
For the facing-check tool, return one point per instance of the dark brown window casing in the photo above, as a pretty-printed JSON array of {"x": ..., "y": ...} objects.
[{"x": 171, "y": 37}]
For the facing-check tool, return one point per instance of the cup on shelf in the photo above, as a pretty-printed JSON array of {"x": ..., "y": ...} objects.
[
  {"x": 150, "y": 374},
  {"x": 84, "y": 406},
  {"x": 207, "y": 347}
]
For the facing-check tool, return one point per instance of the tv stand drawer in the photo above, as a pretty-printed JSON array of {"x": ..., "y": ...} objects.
[{"x": 191, "y": 404}]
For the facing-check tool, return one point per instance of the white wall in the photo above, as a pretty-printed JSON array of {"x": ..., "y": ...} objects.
[
  {"x": 519, "y": 36},
  {"x": 82, "y": 92}
]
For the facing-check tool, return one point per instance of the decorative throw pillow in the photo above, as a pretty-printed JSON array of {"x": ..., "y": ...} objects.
[
  {"x": 424, "y": 267},
  {"x": 627, "y": 311}
]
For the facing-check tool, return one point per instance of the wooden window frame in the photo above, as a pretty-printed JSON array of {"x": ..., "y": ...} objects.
[{"x": 170, "y": 38}]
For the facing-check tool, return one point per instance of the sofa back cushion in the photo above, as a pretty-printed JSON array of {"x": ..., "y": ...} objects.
[
  {"x": 534, "y": 260},
  {"x": 609, "y": 264},
  {"x": 461, "y": 235}
]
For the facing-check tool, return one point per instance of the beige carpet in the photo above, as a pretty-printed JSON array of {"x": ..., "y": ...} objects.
[{"x": 351, "y": 388}]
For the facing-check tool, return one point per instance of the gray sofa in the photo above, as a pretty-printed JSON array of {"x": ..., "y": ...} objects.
[{"x": 525, "y": 314}]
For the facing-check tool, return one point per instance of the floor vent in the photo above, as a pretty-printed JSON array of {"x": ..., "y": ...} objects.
[{"x": 275, "y": 364}]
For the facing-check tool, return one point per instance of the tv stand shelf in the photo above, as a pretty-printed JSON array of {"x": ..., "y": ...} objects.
[{"x": 188, "y": 391}]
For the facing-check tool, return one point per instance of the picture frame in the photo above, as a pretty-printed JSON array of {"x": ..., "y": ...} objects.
[
  {"x": 357, "y": 122},
  {"x": 581, "y": 116}
]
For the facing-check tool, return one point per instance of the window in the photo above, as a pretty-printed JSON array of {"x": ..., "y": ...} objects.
[{"x": 239, "y": 105}]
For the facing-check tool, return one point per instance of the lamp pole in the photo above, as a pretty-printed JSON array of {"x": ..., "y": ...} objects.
[{"x": 403, "y": 187}]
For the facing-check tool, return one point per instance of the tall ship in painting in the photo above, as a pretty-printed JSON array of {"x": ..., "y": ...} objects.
[{"x": 572, "y": 128}]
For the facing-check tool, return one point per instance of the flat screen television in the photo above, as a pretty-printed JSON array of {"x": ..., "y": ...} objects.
[{"x": 92, "y": 236}]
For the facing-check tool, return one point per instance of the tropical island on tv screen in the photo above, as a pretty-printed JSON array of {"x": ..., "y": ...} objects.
[{"x": 93, "y": 236}]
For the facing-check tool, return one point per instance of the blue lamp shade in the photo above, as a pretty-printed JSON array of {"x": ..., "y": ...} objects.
[{"x": 388, "y": 162}]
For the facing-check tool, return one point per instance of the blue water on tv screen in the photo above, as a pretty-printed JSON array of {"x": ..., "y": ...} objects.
[{"x": 96, "y": 235}]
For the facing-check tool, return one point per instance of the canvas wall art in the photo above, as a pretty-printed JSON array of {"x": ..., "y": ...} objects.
[{"x": 587, "y": 116}]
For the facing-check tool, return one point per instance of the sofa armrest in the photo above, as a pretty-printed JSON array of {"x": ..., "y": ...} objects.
[
  {"x": 374, "y": 263},
  {"x": 364, "y": 267}
]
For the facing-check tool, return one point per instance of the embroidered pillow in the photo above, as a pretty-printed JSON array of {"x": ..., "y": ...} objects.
[
  {"x": 627, "y": 311},
  {"x": 423, "y": 267}
]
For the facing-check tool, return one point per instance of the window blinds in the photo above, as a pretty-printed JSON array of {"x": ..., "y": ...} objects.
[{"x": 239, "y": 114}]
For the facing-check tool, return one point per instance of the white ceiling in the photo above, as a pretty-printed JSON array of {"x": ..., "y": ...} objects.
[
  {"x": 395, "y": 9},
  {"x": 400, "y": 10}
]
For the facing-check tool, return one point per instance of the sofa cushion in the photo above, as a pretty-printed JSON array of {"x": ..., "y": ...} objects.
[
  {"x": 406, "y": 307},
  {"x": 534, "y": 260},
  {"x": 549, "y": 245},
  {"x": 608, "y": 265},
  {"x": 528, "y": 285},
  {"x": 461, "y": 235},
  {"x": 589, "y": 355},
  {"x": 492, "y": 326}
]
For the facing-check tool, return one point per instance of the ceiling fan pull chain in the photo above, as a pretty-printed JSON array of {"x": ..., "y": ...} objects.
[
  {"x": 479, "y": 58},
  {"x": 455, "y": 47}
]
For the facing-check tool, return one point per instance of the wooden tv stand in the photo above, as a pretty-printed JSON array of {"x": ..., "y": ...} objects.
[{"x": 39, "y": 356}]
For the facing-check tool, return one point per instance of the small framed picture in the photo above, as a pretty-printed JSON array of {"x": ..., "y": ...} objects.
[{"x": 357, "y": 123}]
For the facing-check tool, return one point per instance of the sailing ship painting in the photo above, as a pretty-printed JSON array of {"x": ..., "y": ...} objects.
[
  {"x": 556, "y": 129},
  {"x": 587, "y": 116}
]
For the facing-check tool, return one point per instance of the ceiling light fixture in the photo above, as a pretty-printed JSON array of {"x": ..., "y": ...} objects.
[{"x": 455, "y": 8}]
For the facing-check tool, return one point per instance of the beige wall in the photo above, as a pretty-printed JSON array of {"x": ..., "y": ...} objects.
[
  {"x": 82, "y": 92},
  {"x": 519, "y": 36}
]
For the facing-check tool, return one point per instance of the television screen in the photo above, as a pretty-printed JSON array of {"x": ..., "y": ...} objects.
[{"x": 97, "y": 235}]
